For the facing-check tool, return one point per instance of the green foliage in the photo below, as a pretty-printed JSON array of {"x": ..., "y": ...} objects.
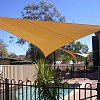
[
  {"x": 74, "y": 60},
  {"x": 44, "y": 73},
  {"x": 34, "y": 53},
  {"x": 3, "y": 49},
  {"x": 50, "y": 58},
  {"x": 77, "y": 47},
  {"x": 12, "y": 55},
  {"x": 42, "y": 11},
  {"x": 44, "y": 78}
]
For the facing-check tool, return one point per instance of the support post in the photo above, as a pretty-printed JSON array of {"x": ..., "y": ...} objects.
[
  {"x": 98, "y": 91},
  {"x": 98, "y": 84},
  {"x": 73, "y": 69},
  {"x": 98, "y": 36},
  {"x": 86, "y": 67},
  {"x": 84, "y": 72},
  {"x": 99, "y": 63},
  {"x": 99, "y": 58},
  {"x": 54, "y": 60},
  {"x": 6, "y": 89}
]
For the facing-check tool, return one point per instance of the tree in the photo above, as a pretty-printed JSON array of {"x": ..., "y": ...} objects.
[
  {"x": 34, "y": 53},
  {"x": 12, "y": 55},
  {"x": 3, "y": 49},
  {"x": 75, "y": 47},
  {"x": 44, "y": 12}
]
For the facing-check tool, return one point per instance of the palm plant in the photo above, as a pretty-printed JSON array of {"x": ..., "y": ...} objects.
[{"x": 43, "y": 82}]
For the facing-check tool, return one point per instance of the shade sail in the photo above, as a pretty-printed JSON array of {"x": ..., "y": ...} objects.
[
  {"x": 70, "y": 53},
  {"x": 83, "y": 55},
  {"x": 74, "y": 55},
  {"x": 48, "y": 36}
]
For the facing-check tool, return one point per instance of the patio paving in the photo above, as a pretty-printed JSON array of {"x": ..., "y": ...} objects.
[{"x": 82, "y": 92}]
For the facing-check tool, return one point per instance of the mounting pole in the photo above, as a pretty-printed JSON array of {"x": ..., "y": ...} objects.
[{"x": 54, "y": 60}]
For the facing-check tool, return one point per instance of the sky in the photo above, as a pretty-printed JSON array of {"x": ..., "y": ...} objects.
[{"x": 75, "y": 11}]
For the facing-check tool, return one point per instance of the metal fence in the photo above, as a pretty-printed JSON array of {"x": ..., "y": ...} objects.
[{"x": 64, "y": 91}]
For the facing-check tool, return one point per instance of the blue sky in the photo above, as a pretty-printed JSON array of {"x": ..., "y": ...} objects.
[{"x": 77, "y": 11}]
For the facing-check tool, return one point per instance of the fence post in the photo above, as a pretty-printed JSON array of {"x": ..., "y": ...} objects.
[
  {"x": 6, "y": 89},
  {"x": 98, "y": 91}
]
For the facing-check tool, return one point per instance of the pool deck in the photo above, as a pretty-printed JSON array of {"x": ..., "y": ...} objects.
[
  {"x": 82, "y": 92},
  {"x": 80, "y": 80}
]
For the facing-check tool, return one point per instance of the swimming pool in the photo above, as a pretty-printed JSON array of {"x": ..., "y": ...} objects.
[{"x": 28, "y": 93}]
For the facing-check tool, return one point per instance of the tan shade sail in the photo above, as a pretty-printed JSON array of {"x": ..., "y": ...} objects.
[
  {"x": 48, "y": 36},
  {"x": 74, "y": 55},
  {"x": 70, "y": 53}
]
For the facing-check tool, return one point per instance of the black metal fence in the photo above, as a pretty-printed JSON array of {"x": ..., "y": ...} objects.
[{"x": 64, "y": 91}]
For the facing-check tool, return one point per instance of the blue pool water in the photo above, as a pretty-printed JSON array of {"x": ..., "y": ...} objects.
[{"x": 29, "y": 94}]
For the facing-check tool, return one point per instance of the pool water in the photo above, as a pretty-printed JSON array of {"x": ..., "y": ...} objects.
[
  {"x": 29, "y": 92},
  {"x": 67, "y": 90}
]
